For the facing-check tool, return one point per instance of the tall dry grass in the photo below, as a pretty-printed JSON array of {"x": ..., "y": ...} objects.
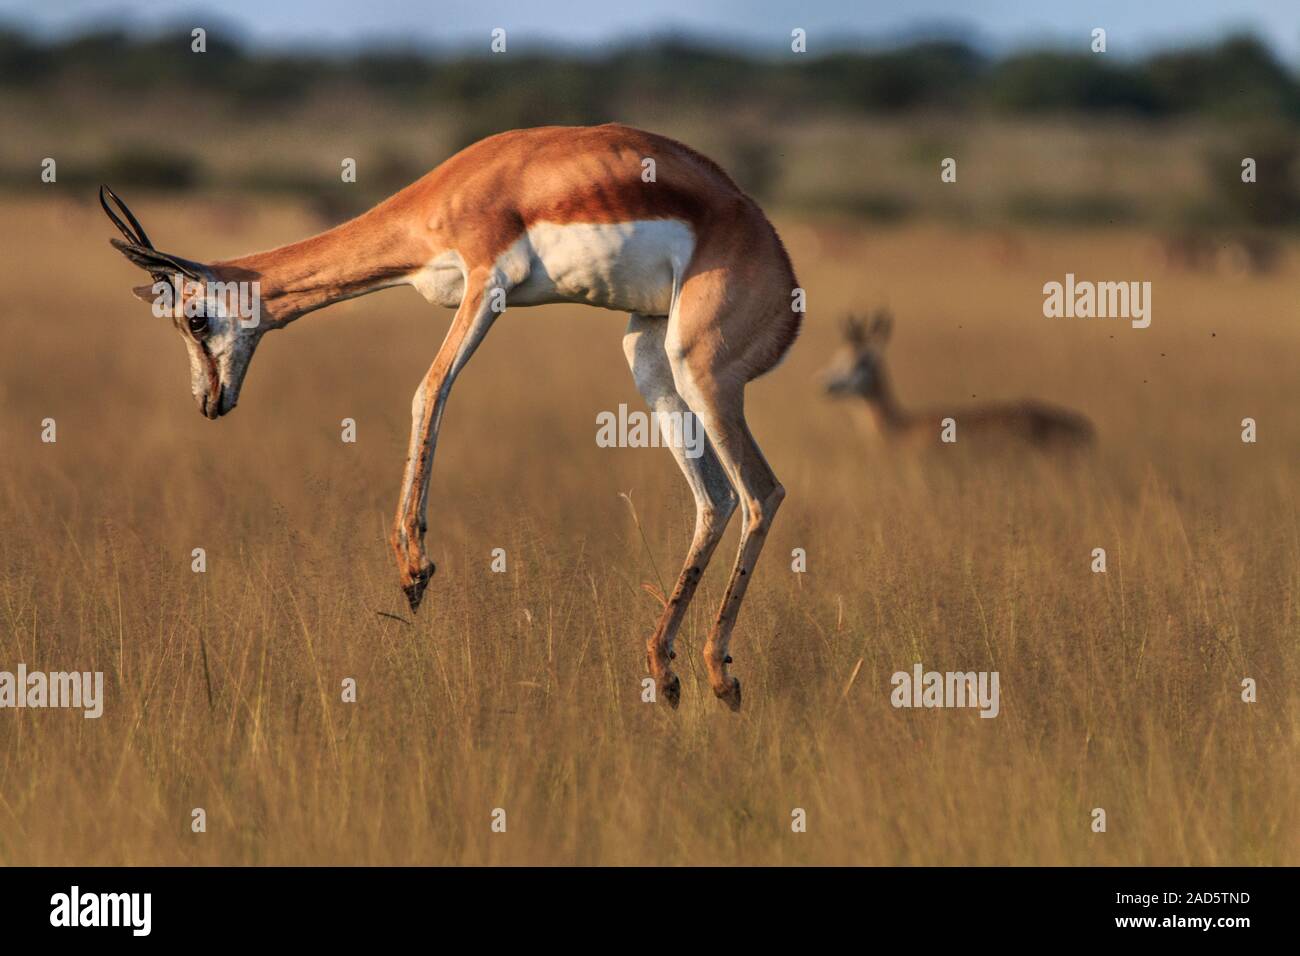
[{"x": 522, "y": 690}]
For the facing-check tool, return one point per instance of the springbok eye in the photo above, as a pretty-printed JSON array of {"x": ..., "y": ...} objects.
[{"x": 198, "y": 325}]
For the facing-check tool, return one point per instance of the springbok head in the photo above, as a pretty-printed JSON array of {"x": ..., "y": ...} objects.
[
  {"x": 858, "y": 366},
  {"x": 217, "y": 316}
]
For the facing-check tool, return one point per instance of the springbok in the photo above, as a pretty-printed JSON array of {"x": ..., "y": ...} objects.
[
  {"x": 859, "y": 370},
  {"x": 608, "y": 216}
]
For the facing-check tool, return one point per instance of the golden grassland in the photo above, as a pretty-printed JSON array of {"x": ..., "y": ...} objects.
[{"x": 522, "y": 690}]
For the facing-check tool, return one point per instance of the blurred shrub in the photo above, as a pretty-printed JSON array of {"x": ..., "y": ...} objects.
[
  {"x": 1058, "y": 82},
  {"x": 152, "y": 167},
  {"x": 390, "y": 171},
  {"x": 675, "y": 70},
  {"x": 1096, "y": 209},
  {"x": 933, "y": 75},
  {"x": 519, "y": 92},
  {"x": 750, "y": 160},
  {"x": 875, "y": 206},
  {"x": 1274, "y": 198},
  {"x": 1238, "y": 77},
  {"x": 22, "y": 62}
]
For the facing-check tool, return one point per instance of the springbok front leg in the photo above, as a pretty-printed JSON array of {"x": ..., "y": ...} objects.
[
  {"x": 478, "y": 308},
  {"x": 715, "y": 500}
]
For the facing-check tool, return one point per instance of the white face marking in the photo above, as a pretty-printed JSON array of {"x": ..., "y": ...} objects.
[
  {"x": 229, "y": 345},
  {"x": 628, "y": 266}
]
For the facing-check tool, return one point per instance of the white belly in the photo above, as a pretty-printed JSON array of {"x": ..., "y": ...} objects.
[{"x": 628, "y": 266}]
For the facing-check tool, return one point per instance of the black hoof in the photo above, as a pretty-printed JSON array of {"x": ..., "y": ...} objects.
[
  {"x": 731, "y": 696},
  {"x": 672, "y": 692},
  {"x": 415, "y": 590}
]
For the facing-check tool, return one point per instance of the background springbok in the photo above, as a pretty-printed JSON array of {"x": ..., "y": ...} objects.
[
  {"x": 557, "y": 214},
  {"x": 859, "y": 370}
]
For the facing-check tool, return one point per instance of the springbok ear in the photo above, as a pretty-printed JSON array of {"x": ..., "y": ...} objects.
[
  {"x": 151, "y": 260},
  {"x": 144, "y": 293},
  {"x": 854, "y": 331}
]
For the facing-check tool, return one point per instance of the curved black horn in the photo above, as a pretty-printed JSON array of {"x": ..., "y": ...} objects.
[{"x": 139, "y": 237}]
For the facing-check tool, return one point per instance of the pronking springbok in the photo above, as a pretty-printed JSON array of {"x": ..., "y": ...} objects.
[
  {"x": 557, "y": 214},
  {"x": 859, "y": 370}
]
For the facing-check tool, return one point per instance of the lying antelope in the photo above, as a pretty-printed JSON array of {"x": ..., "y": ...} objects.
[
  {"x": 859, "y": 369},
  {"x": 558, "y": 214}
]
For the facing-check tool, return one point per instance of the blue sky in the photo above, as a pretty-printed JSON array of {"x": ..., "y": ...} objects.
[{"x": 1133, "y": 26}]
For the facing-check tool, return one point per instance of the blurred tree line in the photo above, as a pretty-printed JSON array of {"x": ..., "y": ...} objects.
[
  {"x": 1239, "y": 76},
  {"x": 1236, "y": 84}
]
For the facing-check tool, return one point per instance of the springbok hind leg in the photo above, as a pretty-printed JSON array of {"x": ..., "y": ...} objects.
[
  {"x": 714, "y": 498},
  {"x": 721, "y": 406}
]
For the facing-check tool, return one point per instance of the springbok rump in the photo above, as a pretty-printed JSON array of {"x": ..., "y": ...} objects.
[
  {"x": 607, "y": 216},
  {"x": 858, "y": 370}
]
